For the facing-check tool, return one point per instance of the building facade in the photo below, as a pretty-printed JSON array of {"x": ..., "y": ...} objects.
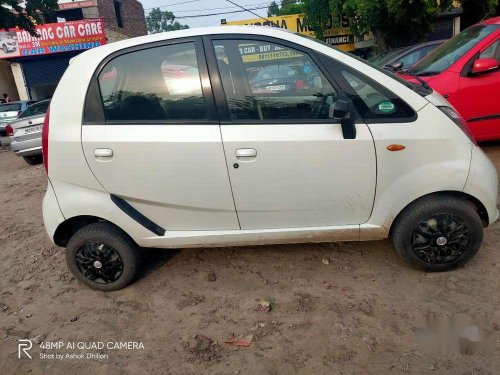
[{"x": 30, "y": 68}]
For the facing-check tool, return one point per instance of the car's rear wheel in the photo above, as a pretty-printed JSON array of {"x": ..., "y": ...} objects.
[
  {"x": 33, "y": 159},
  {"x": 438, "y": 233},
  {"x": 102, "y": 257}
]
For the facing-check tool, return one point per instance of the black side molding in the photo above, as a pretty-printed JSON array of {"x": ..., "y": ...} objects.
[
  {"x": 137, "y": 216},
  {"x": 483, "y": 118}
]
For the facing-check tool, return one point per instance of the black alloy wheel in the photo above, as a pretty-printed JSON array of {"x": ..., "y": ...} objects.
[
  {"x": 438, "y": 232},
  {"x": 99, "y": 262},
  {"x": 102, "y": 256},
  {"x": 440, "y": 239}
]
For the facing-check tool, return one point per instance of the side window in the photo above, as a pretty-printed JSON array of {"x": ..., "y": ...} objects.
[
  {"x": 266, "y": 81},
  {"x": 493, "y": 51},
  {"x": 374, "y": 102},
  {"x": 161, "y": 83}
]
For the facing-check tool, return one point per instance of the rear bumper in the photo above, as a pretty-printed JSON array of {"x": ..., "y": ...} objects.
[
  {"x": 26, "y": 148},
  {"x": 52, "y": 215}
]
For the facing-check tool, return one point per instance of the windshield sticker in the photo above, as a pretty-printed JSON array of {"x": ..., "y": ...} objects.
[{"x": 386, "y": 107}]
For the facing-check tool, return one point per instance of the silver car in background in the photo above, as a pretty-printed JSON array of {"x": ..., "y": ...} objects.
[
  {"x": 26, "y": 140},
  {"x": 8, "y": 113}
]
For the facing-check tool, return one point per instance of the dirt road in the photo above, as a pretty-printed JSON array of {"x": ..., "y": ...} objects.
[{"x": 360, "y": 312}]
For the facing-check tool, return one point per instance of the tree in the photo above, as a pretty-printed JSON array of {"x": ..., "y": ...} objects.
[
  {"x": 158, "y": 21},
  {"x": 392, "y": 22},
  {"x": 35, "y": 12},
  {"x": 286, "y": 7},
  {"x": 476, "y": 10}
]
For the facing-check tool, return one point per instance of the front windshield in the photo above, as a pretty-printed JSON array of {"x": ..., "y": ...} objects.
[{"x": 443, "y": 57}]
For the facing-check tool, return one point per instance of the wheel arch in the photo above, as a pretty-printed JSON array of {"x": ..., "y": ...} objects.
[
  {"x": 473, "y": 201},
  {"x": 70, "y": 226}
]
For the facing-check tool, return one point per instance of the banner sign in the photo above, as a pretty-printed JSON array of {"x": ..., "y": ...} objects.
[
  {"x": 69, "y": 4},
  {"x": 53, "y": 38},
  {"x": 337, "y": 30}
]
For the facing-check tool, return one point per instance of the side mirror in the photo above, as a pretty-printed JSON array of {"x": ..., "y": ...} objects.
[
  {"x": 395, "y": 67},
  {"x": 341, "y": 110},
  {"x": 484, "y": 65}
]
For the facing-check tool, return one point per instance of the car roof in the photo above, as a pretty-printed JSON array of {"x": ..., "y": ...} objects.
[
  {"x": 492, "y": 21},
  {"x": 199, "y": 31}
]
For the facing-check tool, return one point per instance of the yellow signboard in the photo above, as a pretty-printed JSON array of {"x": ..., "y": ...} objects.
[{"x": 340, "y": 36}]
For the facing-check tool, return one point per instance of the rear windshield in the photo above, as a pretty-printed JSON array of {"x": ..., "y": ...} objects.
[
  {"x": 10, "y": 107},
  {"x": 450, "y": 52},
  {"x": 36, "y": 109}
]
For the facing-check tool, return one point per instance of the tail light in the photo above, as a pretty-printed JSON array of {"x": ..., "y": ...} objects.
[
  {"x": 45, "y": 140},
  {"x": 300, "y": 85},
  {"x": 9, "y": 130},
  {"x": 457, "y": 119}
]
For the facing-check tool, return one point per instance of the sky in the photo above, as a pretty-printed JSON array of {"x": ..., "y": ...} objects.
[{"x": 200, "y": 7}]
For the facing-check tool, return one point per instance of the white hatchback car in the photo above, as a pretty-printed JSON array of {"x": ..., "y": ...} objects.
[{"x": 139, "y": 153}]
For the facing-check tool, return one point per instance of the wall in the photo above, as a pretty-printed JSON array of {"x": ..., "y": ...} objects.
[
  {"x": 133, "y": 19},
  {"x": 7, "y": 82}
]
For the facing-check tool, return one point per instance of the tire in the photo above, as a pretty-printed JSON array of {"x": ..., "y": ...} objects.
[
  {"x": 33, "y": 159},
  {"x": 86, "y": 257},
  {"x": 417, "y": 234},
  {"x": 5, "y": 49}
]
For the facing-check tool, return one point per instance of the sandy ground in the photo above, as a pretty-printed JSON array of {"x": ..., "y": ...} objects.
[{"x": 361, "y": 312}]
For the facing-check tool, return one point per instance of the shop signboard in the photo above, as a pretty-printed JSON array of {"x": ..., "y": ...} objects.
[
  {"x": 53, "y": 38},
  {"x": 337, "y": 29},
  {"x": 69, "y": 4}
]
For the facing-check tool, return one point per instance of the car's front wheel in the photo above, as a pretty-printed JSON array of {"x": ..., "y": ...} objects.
[
  {"x": 438, "y": 233},
  {"x": 102, "y": 257},
  {"x": 33, "y": 159}
]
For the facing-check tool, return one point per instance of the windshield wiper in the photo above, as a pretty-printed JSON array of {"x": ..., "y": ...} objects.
[{"x": 416, "y": 76}]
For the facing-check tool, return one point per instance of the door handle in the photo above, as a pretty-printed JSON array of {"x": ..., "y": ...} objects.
[
  {"x": 103, "y": 153},
  {"x": 246, "y": 153}
]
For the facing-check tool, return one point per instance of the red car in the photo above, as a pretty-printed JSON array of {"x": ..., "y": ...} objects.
[{"x": 465, "y": 70}]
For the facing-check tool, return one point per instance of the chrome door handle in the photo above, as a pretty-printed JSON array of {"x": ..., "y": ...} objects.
[
  {"x": 103, "y": 152},
  {"x": 246, "y": 153}
]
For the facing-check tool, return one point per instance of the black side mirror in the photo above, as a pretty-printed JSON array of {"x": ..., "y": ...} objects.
[{"x": 341, "y": 110}]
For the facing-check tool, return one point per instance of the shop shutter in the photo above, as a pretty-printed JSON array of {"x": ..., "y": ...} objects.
[{"x": 46, "y": 71}]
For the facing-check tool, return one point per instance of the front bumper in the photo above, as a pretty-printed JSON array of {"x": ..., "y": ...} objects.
[{"x": 482, "y": 183}]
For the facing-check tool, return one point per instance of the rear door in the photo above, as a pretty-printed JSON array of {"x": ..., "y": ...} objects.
[
  {"x": 289, "y": 163},
  {"x": 153, "y": 137}
]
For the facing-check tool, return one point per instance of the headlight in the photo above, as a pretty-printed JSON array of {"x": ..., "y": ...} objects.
[{"x": 459, "y": 121}]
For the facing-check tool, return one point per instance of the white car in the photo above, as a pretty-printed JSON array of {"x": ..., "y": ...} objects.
[{"x": 133, "y": 163}]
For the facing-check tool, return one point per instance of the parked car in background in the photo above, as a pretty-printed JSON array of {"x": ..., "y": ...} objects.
[
  {"x": 279, "y": 79},
  {"x": 465, "y": 70},
  {"x": 10, "y": 111},
  {"x": 26, "y": 132},
  {"x": 405, "y": 57},
  {"x": 368, "y": 156}
]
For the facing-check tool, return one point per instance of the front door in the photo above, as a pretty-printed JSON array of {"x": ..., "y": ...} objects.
[
  {"x": 158, "y": 145},
  {"x": 289, "y": 164},
  {"x": 478, "y": 98}
]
